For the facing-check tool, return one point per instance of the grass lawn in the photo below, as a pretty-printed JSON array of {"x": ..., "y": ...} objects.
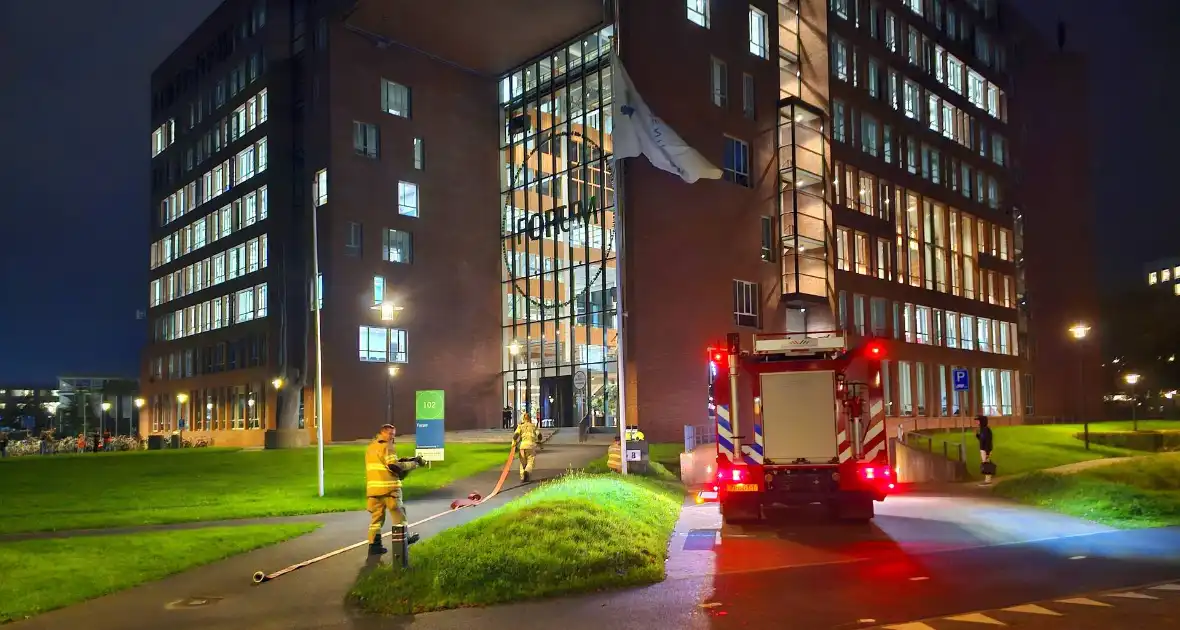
[
  {"x": 581, "y": 533},
  {"x": 139, "y": 488},
  {"x": 41, "y": 575},
  {"x": 1027, "y": 448},
  {"x": 1141, "y": 493}
]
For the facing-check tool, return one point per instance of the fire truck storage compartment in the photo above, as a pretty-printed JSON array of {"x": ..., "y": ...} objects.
[{"x": 799, "y": 416}]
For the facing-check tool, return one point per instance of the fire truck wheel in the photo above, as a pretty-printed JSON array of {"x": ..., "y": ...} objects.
[{"x": 741, "y": 511}]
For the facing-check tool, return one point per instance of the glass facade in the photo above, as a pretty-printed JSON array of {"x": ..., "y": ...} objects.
[{"x": 559, "y": 313}]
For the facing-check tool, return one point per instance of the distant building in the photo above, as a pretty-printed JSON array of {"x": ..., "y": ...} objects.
[
  {"x": 17, "y": 400},
  {"x": 84, "y": 397},
  {"x": 1164, "y": 273}
]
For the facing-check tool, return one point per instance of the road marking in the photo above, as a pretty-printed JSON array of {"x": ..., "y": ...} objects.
[
  {"x": 1033, "y": 609},
  {"x": 976, "y": 618},
  {"x": 913, "y": 625},
  {"x": 1131, "y": 595},
  {"x": 1083, "y": 601},
  {"x": 1166, "y": 587}
]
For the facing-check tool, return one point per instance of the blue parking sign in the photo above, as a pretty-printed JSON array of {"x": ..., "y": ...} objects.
[{"x": 960, "y": 379}]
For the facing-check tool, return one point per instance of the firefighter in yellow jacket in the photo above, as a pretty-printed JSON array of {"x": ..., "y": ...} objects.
[
  {"x": 525, "y": 439},
  {"x": 383, "y": 485}
]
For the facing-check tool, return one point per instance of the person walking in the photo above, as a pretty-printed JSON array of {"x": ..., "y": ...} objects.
[
  {"x": 506, "y": 416},
  {"x": 383, "y": 485},
  {"x": 984, "y": 435},
  {"x": 525, "y": 440}
]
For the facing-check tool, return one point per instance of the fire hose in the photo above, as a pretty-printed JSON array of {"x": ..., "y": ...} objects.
[{"x": 472, "y": 500}]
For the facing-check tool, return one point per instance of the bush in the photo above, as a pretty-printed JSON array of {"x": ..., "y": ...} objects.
[
  {"x": 69, "y": 444},
  {"x": 1148, "y": 441}
]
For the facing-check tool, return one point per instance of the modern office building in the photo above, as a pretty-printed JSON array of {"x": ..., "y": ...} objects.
[
  {"x": 1164, "y": 273},
  {"x": 459, "y": 163}
]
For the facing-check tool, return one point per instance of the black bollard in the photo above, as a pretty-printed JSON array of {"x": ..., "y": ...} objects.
[{"x": 399, "y": 547}]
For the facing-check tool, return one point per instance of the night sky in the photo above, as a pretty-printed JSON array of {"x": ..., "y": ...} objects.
[{"x": 75, "y": 133}]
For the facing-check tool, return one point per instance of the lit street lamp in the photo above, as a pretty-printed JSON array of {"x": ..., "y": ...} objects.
[
  {"x": 1131, "y": 379},
  {"x": 181, "y": 398},
  {"x": 102, "y": 426},
  {"x": 278, "y": 383},
  {"x": 1079, "y": 332}
]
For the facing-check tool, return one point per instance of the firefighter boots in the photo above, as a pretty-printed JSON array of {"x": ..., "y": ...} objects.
[{"x": 376, "y": 549}]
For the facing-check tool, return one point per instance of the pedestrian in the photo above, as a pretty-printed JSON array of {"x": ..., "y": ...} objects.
[
  {"x": 583, "y": 428},
  {"x": 383, "y": 486},
  {"x": 3, "y": 443},
  {"x": 44, "y": 442},
  {"x": 97, "y": 440},
  {"x": 525, "y": 440},
  {"x": 507, "y": 417},
  {"x": 984, "y": 435},
  {"x": 106, "y": 441}
]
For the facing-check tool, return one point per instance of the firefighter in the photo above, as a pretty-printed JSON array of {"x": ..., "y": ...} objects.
[
  {"x": 614, "y": 456},
  {"x": 383, "y": 485},
  {"x": 525, "y": 439}
]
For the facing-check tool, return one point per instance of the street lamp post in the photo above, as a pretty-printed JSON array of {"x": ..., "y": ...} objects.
[
  {"x": 139, "y": 403},
  {"x": 1079, "y": 332},
  {"x": 1131, "y": 379},
  {"x": 393, "y": 369},
  {"x": 181, "y": 398},
  {"x": 102, "y": 426}
]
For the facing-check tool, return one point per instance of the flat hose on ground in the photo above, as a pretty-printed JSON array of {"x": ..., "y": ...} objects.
[{"x": 260, "y": 576}]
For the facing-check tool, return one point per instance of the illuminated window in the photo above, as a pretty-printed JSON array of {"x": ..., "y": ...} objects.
[
  {"x": 407, "y": 199},
  {"x": 1152, "y": 278},
  {"x": 395, "y": 98},
  {"x": 320, "y": 187},
  {"x": 736, "y": 167},
  {"x": 759, "y": 35},
  {"x": 839, "y": 59},
  {"x": 396, "y": 246},
  {"x": 419, "y": 154},
  {"x": 698, "y": 12},
  {"x": 1176, "y": 288},
  {"x": 720, "y": 80},
  {"x": 768, "y": 246},
  {"x": 365, "y": 139},
  {"x": 378, "y": 289},
  {"x": 1165, "y": 275},
  {"x": 843, "y": 249}
]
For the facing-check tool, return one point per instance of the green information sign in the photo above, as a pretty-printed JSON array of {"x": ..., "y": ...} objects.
[
  {"x": 430, "y": 434},
  {"x": 430, "y": 404}
]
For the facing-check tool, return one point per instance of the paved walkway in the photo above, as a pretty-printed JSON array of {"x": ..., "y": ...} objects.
[{"x": 313, "y": 597}]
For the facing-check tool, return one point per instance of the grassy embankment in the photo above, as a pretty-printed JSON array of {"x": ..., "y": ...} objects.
[{"x": 584, "y": 532}]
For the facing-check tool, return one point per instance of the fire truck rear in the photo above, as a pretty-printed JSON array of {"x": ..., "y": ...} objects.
[{"x": 800, "y": 420}]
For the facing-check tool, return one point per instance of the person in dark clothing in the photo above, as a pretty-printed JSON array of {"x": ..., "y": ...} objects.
[
  {"x": 3, "y": 443},
  {"x": 984, "y": 435},
  {"x": 506, "y": 416}
]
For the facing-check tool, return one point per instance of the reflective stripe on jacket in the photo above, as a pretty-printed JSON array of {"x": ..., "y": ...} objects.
[
  {"x": 380, "y": 464},
  {"x": 526, "y": 432}
]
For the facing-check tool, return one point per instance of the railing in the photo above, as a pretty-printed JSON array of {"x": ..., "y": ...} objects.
[
  {"x": 914, "y": 439},
  {"x": 695, "y": 436}
]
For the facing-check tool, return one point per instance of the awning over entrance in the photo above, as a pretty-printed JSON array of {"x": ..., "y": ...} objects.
[{"x": 488, "y": 36}]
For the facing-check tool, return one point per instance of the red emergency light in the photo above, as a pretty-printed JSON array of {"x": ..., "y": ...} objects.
[
  {"x": 875, "y": 350},
  {"x": 715, "y": 355}
]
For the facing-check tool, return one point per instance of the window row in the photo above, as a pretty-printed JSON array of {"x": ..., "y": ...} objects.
[
  {"x": 244, "y": 119},
  {"x": 1164, "y": 275},
  {"x": 592, "y": 308},
  {"x": 891, "y": 144},
  {"x": 163, "y": 137},
  {"x": 757, "y": 23},
  {"x": 366, "y": 141},
  {"x": 397, "y": 246},
  {"x": 225, "y": 356},
  {"x": 923, "y": 325},
  {"x": 876, "y": 196},
  {"x": 233, "y": 263},
  {"x": 247, "y": 71},
  {"x": 236, "y": 407},
  {"x": 558, "y": 66},
  {"x": 719, "y": 87},
  {"x": 959, "y": 26},
  {"x": 912, "y": 390},
  {"x": 213, "y": 183},
  {"x": 219, "y": 312},
  {"x": 239, "y": 214},
  {"x": 383, "y": 345}
]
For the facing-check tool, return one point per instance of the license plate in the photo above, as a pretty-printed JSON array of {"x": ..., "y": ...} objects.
[
  {"x": 708, "y": 496},
  {"x": 743, "y": 487}
]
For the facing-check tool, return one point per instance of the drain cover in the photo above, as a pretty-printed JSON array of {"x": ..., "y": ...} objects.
[{"x": 193, "y": 602}]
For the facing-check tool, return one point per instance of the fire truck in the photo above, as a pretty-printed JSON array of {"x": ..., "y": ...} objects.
[{"x": 800, "y": 420}]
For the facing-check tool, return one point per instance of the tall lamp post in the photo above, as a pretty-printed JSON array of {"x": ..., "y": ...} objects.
[
  {"x": 1131, "y": 379},
  {"x": 393, "y": 370},
  {"x": 181, "y": 398},
  {"x": 1079, "y": 332},
  {"x": 102, "y": 426},
  {"x": 133, "y": 430}
]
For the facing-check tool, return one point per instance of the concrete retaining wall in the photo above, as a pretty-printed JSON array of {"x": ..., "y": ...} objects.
[{"x": 917, "y": 465}]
